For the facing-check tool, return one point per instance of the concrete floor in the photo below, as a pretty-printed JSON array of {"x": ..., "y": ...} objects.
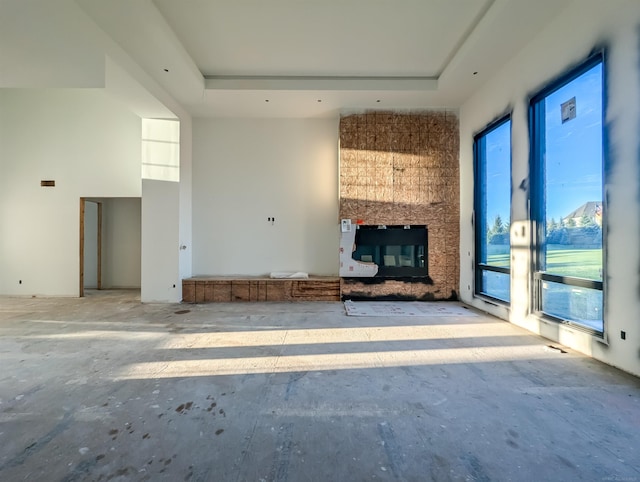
[{"x": 104, "y": 388}]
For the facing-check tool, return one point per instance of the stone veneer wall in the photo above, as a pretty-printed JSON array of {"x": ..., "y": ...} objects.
[{"x": 404, "y": 169}]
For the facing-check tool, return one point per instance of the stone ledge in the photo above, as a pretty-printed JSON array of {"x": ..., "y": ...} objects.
[{"x": 209, "y": 289}]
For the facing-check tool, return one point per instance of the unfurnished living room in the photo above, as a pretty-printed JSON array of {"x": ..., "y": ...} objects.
[{"x": 319, "y": 240}]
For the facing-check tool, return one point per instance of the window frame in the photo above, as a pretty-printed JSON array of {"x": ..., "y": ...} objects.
[
  {"x": 479, "y": 183},
  {"x": 537, "y": 196}
]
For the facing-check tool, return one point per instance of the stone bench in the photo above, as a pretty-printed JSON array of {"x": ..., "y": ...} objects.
[{"x": 207, "y": 289}]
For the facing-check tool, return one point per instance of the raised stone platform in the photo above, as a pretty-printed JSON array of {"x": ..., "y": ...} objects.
[{"x": 208, "y": 289}]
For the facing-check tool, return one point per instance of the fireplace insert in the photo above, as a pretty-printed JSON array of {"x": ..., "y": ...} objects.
[{"x": 399, "y": 251}]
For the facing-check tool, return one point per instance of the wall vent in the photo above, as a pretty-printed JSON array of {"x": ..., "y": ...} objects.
[{"x": 48, "y": 183}]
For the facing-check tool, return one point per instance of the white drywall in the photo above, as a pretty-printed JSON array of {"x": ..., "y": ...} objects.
[
  {"x": 48, "y": 44},
  {"x": 583, "y": 26},
  {"x": 246, "y": 171},
  {"x": 85, "y": 141},
  {"x": 121, "y": 245},
  {"x": 185, "y": 257},
  {"x": 160, "y": 237}
]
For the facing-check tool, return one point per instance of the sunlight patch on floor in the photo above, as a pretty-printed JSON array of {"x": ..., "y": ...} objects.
[
  {"x": 336, "y": 335},
  {"x": 329, "y": 361}
]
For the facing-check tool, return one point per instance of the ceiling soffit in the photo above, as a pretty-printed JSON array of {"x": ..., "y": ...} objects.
[
  {"x": 294, "y": 45},
  {"x": 303, "y": 58}
]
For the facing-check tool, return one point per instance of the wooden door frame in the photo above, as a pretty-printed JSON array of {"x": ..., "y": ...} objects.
[{"x": 83, "y": 202}]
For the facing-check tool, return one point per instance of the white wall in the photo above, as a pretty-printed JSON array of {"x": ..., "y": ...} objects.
[
  {"x": 584, "y": 25},
  {"x": 121, "y": 244},
  {"x": 166, "y": 226},
  {"x": 90, "y": 145},
  {"x": 185, "y": 259},
  {"x": 245, "y": 171},
  {"x": 160, "y": 238}
]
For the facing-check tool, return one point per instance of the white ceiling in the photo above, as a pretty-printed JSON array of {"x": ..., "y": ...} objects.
[
  {"x": 319, "y": 38},
  {"x": 307, "y": 58}
]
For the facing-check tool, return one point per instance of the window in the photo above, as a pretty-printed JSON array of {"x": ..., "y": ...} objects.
[
  {"x": 567, "y": 197},
  {"x": 492, "y": 158},
  {"x": 161, "y": 150}
]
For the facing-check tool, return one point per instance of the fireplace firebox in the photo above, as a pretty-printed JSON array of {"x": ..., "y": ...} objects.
[{"x": 398, "y": 251}]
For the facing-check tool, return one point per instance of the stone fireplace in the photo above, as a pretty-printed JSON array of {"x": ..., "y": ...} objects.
[{"x": 399, "y": 184}]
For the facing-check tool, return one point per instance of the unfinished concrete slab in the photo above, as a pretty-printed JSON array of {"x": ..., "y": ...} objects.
[{"x": 106, "y": 388}]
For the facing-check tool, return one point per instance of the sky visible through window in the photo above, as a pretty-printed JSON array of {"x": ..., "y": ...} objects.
[
  {"x": 573, "y": 149},
  {"x": 573, "y": 152},
  {"x": 498, "y": 174}
]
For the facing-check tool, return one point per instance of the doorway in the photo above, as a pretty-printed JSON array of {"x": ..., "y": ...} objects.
[{"x": 110, "y": 244}]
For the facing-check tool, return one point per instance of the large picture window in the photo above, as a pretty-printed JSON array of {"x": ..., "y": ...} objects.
[
  {"x": 567, "y": 197},
  {"x": 492, "y": 158}
]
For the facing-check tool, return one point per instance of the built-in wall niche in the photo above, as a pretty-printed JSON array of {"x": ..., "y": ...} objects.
[{"x": 398, "y": 251}]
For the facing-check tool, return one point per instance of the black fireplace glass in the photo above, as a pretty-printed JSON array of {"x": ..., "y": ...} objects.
[{"x": 399, "y": 251}]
